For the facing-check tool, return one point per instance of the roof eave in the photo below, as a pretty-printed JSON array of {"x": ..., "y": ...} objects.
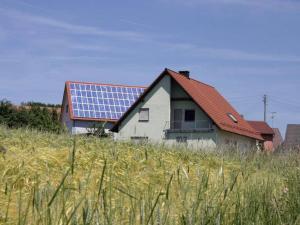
[{"x": 94, "y": 119}]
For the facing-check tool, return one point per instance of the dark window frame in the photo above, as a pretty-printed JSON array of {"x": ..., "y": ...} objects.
[{"x": 189, "y": 117}]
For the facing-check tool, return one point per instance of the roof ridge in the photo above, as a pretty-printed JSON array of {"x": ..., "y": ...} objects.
[
  {"x": 105, "y": 84},
  {"x": 202, "y": 83},
  {"x": 192, "y": 79}
]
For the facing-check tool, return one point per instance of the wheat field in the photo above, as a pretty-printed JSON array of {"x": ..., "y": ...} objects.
[{"x": 59, "y": 179}]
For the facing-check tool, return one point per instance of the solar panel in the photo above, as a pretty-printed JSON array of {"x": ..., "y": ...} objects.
[{"x": 99, "y": 101}]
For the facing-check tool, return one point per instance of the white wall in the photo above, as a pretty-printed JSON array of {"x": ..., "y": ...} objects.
[
  {"x": 158, "y": 102},
  {"x": 85, "y": 126},
  {"x": 195, "y": 140},
  {"x": 230, "y": 140},
  {"x": 160, "y": 105}
]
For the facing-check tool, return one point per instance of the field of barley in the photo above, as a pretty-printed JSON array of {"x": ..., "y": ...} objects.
[{"x": 58, "y": 179}]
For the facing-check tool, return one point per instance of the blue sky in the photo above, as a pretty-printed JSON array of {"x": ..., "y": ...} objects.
[{"x": 245, "y": 48}]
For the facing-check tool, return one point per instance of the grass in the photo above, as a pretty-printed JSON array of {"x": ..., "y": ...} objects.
[{"x": 56, "y": 179}]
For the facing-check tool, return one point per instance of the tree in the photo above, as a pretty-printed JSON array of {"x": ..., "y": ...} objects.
[{"x": 34, "y": 116}]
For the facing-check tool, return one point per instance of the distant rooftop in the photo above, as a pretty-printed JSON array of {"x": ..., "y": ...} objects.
[{"x": 292, "y": 136}]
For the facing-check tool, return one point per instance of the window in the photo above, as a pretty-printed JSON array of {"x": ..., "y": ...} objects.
[
  {"x": 144, "y": 115},
  {"x": 189, "y": 115},
  {"x": 232, "y": 117},
  {"x": 67, "y": 108}
]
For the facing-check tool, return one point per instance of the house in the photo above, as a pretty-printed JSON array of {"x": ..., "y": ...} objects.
[
  {"x": 266, "y": 132},
  {"x": 86, "y": 106},
  {"x": 292, "y": 136},
  {"x": 178, "y": 109},
  {"x": 277, "y": 140}
]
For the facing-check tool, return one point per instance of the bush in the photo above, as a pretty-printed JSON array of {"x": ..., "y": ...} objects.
[{"x": 35, "y": 116}]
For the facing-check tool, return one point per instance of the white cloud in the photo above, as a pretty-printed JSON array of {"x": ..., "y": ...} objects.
[
  {"x": 230, "y": 54},
  {"x": 73, "y": 28}
]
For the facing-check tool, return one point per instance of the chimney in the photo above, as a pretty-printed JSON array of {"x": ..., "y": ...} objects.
[{"x": 185, "y": 73}]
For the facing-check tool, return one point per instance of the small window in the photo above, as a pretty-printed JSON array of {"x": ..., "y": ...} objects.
[
  {"x": 232, "y": 117},
  {"x": 189, "y": 115},
  {"x": 67, "y": 108},
  {"x": 144, "y": 114}
]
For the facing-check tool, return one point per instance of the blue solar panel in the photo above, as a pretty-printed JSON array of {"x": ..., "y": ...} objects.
[{"x": 102, "y": 101}]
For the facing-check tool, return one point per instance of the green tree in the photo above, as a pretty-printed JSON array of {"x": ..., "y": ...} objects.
[{"x": 34, "y": 116}]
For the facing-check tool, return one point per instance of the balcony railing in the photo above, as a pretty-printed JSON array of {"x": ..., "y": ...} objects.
[{"x": 188, "y": 126}]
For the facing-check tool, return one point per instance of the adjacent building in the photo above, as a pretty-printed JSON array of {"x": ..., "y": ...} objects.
[
  {"x": 277, "y": 140},
  {"x": 266, "y": 132},
  {"x": 90, "y": 106},
  {"x": 177, "y": 109},
  {"x": 292, "y": 136}
]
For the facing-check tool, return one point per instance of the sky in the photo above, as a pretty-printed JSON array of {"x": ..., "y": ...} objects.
[{"x": 244, "y": 48}]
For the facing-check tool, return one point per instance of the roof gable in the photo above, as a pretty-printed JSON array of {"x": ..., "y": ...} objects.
[{"x": 209, "y": 100}]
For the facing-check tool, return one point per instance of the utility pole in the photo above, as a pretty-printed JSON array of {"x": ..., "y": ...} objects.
[{"x": 265, "y": 100}]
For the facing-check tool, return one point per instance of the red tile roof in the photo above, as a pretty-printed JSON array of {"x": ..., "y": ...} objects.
[
  {"x": 209, "y": 100},
  {"x": 214, "y": 105},
  {"x": 261, "y": 127}
]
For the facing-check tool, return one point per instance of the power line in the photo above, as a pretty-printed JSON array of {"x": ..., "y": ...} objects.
[
  {"x": 285, "y": 103},
  {"x": 284, "y": 99}
]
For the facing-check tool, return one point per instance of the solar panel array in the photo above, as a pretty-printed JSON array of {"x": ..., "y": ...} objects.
[{"x": 99, "y": 101}]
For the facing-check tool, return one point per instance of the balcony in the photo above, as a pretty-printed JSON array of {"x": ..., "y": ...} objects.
[{"x": 187, "y": 127}]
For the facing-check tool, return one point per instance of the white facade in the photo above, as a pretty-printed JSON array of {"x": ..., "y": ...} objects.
[
  {"x": 159, "y": 105},
  {"x": 235, "y": 141},
  {"x": 168, "y": 104}
]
